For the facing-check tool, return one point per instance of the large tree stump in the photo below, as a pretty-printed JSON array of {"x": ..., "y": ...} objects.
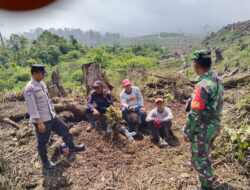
[{"x": 92, "y": 73}]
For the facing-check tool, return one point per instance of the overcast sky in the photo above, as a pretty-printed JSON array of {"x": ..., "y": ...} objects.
[{"x": 129, "y": 17}]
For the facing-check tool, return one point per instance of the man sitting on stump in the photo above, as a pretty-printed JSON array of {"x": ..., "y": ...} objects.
[
  {"x": 159, "y": 120},
  {"x": 132, "y": 102},
  {"x": 44, "y": 118},
  {"x": 98, "y": 100}
]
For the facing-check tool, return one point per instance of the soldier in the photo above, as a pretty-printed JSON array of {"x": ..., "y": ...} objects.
[
  {"x": 98, "y": 100},
  {"x": 203, "y": 121},
  {"x": 44, "y": 118}
]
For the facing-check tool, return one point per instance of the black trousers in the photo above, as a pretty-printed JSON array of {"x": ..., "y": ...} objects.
[
  {"x": 58, "y": 126},
  {"x": 163, "y": 132}
]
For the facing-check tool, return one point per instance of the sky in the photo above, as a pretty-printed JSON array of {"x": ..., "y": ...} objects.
[{"x": 129, "y": 17}]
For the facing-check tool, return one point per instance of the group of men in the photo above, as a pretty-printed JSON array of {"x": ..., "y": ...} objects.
[{"x": 201, "y": 128}]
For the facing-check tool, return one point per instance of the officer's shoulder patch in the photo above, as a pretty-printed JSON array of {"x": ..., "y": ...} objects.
[
  {"x": 197, "y": 101},
  {"x": 28, "y": 90}
]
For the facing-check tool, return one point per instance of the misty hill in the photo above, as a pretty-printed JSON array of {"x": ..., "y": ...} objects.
[
  {"x": 92, "y": 38},
  {"x": 89, "y": 38}
]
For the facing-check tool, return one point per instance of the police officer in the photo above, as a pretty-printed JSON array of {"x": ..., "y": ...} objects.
[
  {"x": 203, "y": 121},
  {"x": 44, "y": 118}
]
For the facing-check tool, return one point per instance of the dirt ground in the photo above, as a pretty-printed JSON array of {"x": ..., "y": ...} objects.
[{"x": 106, "y": 164}]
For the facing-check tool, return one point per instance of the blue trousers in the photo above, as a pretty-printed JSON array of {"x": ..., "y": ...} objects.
[{"x": 142, "y": 117}]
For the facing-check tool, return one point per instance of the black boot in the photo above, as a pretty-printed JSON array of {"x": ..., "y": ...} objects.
[
  {"x": 79, "y": 148},
  {"x": 48, "y": 164}
]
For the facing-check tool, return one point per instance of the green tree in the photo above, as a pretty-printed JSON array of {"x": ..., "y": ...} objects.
[{"x": 18, "y": 44}]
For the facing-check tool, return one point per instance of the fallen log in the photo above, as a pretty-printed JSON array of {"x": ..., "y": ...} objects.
[
  {"x": 237, "y": 81},
  {"x": 77, "y": 109}
]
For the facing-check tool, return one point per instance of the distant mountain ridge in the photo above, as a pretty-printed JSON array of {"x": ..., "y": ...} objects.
[{"x": 94, "y": 39}]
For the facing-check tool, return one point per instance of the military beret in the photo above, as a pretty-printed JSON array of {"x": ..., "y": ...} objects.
[{"x": 202, "y": 54}]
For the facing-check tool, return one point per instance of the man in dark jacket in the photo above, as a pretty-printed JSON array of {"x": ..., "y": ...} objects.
[{"x": 98, "y": 100}]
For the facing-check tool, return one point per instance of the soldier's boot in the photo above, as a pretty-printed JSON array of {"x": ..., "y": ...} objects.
[{"x": 48, "y": 164}]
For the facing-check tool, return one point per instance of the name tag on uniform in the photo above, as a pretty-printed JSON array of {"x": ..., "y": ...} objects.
[{"x": 40, "y": 94}]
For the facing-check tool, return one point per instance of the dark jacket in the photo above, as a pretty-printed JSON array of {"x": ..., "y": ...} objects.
[{"x": 99, "y": 101}]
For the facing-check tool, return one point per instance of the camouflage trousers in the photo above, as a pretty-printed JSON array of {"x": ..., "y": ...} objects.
[{"x": 200, "y": 149}]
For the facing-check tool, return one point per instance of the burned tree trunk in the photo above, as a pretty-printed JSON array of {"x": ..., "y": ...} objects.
[{"x": 92, "y": 73}]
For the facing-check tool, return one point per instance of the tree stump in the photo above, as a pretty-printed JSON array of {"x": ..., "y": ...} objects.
[
  {"x": 56, "y": 89},
  {"x": 92, "y": 73},
  {"x": 218, "y": 55}
]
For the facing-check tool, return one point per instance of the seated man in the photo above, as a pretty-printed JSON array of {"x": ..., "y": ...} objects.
[
  {"x": 159, "y": 120},
  {"x": 132, "y": 102},
  {"x": 98, "y": 100}
]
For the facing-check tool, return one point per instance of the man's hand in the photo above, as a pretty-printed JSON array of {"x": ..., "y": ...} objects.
[
  {"x": 131, "y": 108},
  {"x": 96, "y": 114},
  {"x": 142, "y": 110},
  {"x": 105, "y": 93},
  {"x": 41, "y": 127}
]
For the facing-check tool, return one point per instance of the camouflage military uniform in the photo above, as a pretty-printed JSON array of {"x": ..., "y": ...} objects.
[{"x": 203, "y": 123}]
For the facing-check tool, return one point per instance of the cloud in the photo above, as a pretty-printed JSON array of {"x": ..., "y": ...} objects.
[{"x": 130, "y": 17}]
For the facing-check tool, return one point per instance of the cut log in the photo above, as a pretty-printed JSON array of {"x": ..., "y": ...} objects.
[
  {"x": 77, "y": 109},
  {"x": 92, "y": 73},
  {"x": 237, "y": 81}
]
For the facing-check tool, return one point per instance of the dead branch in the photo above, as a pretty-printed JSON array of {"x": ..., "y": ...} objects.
[{"x": 12, "y": 123}]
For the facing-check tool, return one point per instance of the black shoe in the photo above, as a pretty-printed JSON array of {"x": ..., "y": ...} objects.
[
  {"x": 79, "y": 148},
  {"x": 48, "y": 165}
]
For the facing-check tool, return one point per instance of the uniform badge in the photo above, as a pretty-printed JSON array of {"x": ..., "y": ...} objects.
[{"x": 197, "y": 102}]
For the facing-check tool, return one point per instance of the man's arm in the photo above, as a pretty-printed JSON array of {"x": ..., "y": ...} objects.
[
  {"x": 109, "y": 98},
  {"x": 169, "y": 116},
  {"x": 150, "y": 116},
  {"x": 91, "y": 101},
  {"x": 31, "y": 103},
  {"x": 198, "y": 103},
  {"x": 32, "y": 108},
  {"x": 123, "y": 101}
]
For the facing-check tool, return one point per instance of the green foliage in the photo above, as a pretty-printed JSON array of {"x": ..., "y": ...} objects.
[
  {"x": 68, "y": 56},
  {"x": 235, "y": 136},
  {"x": 71, "y": 56}
]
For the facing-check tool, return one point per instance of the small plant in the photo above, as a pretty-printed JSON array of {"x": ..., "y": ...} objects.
[{"x": 113, "y": 117}]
